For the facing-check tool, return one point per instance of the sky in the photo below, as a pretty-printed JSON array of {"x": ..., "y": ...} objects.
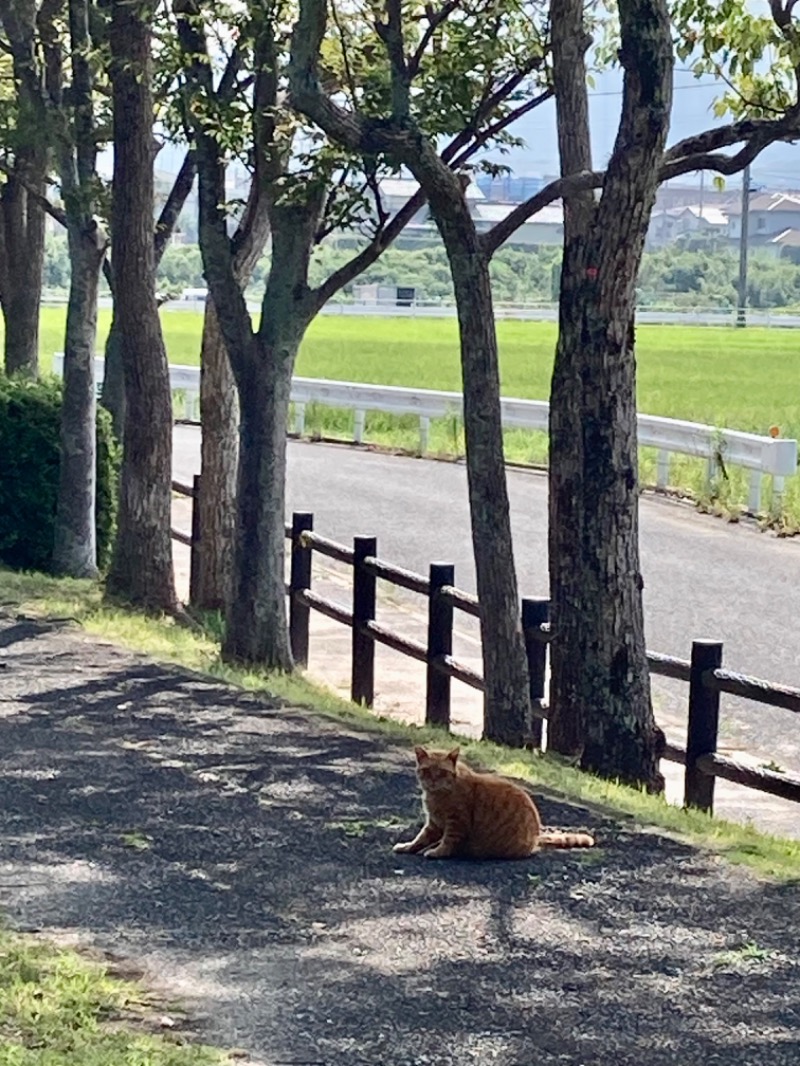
[{"x": 776, "y": 167}]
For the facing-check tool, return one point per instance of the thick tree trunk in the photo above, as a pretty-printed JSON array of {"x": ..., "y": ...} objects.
[
  {"x": 141, "y": 569},
  {"x": 257, "y": 631},
  {"x": 219, "y": 411},
  {"x": 505, "y": 669},
  {"x": 75, "y": 543},
  {"x": 113, "y": 393},
  {"x": 23, "y": 222},
  {"x": 219, "y": 407},
  {"x": 601, "y": 710}
]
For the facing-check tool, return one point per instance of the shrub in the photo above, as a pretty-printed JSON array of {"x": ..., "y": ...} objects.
[{"x": 30, "y": 413}]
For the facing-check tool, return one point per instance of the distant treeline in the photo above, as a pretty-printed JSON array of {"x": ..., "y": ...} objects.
[{"x": 673, "y": 276}]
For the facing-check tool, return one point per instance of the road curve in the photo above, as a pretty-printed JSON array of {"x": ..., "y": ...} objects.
[{"x": 703, "y": 578}]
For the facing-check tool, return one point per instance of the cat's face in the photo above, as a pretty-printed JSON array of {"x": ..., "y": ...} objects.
[{"x": 436, "y": 770}]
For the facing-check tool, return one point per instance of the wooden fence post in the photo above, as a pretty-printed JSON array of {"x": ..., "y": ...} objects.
[
  {"x": 197, "y": 543},
  {"x": 701, "y": 737},
  {"x": 362, "y": 682},
  {"x": 440, "y": 642},
  {"x": 300, "y": 580},
  {"x": 534, "y": 614}
]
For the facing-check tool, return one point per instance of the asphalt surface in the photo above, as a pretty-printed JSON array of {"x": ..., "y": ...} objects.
[
  {"x": 704, "y": 578},
  {"x": 239, "y": 853}
]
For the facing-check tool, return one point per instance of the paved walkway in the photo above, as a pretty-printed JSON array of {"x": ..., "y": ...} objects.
[{"x": 240, "y": 852}]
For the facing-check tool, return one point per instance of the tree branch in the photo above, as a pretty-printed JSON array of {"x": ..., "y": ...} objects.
[
  {"x": 359, "y": 263},
  {"x": 785, "y": 128},
  {"x": 556, "y": 190},
  {"x": 716, "y": 161},
  {"x": 308, "y": 97},
  {"x": 670, "y": 168},
  {"x": 54, "y": 212},
  {"x": 435, "y": 19},
  {"x": 391, "y": 33},
  {"x": 173, "y": 206}
]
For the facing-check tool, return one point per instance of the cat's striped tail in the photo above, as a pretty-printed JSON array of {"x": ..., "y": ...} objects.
[{"x": 554, "y": 839}]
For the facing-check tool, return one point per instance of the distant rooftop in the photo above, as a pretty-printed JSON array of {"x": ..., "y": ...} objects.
[{"x": 769, "y": 201}]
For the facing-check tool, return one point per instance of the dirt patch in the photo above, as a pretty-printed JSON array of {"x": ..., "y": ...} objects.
[{"x": 238, "y": 852}]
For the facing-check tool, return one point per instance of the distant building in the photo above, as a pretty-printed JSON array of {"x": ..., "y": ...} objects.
[
  {"x": 509, "y": 189},
  {"x": 770, "y": 214},
  {"x": 668, "y": 224},
  {"x": 546, "y": 227}
]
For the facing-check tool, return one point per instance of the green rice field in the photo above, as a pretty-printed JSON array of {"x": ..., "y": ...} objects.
[{"x": 746, "y": 379}]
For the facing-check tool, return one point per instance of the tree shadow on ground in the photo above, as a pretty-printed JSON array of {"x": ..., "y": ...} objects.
[{"x": 241, "y": 850}]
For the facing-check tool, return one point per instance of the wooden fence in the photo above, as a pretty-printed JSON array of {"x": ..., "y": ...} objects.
[{"x": 703, "y": 672}]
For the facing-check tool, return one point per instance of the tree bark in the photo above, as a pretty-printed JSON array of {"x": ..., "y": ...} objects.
[
  {"x": 219, "y": 464},
  {"x": 112, "y": 396},
  {"x": 113, "y": 392},
  {"x": 142, "y": 569},
  {"x": 505, "y": 669},
  {"x": 601, "y": 709},
  {"x": 75, "y": 539},
  {"x": 257, "y": 626},
  {"x": 256, "y": 630},
  {"x": 219, "y": 408},
  {"x": 23, "y": 232}
]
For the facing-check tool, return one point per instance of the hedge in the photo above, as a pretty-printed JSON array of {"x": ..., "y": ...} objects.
[{"x": 30, "y": 414}]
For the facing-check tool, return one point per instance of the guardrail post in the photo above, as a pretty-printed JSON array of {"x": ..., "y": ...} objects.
[
  {"x": 703, "y": 728},
  {"x": 299, "y": 418},
  {"x": 359, "y": 421},
  {"x": 440, "y": 642},
  {"x": 197, "y": 543},
  {"x": 424, "y": 433},
  {"x": 362, "y": 682},
  {"x": 534, "y": 615},
  {"x": 299, "y": 581}
]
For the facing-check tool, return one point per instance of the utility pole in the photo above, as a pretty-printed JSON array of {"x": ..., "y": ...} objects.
[{"x": 741, "y": 310}]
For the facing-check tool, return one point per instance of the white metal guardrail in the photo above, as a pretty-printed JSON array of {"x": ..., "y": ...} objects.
[{"x": 770, "y": 456}]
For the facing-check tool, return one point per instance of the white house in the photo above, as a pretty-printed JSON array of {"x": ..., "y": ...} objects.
[
  {"x": 669, "y": 224},
  {"x": 770, "y": 214}
]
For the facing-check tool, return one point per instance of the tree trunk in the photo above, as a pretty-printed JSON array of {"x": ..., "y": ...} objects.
[
  {"x": 505, "y": 668},
  {"x": 219, "y": 407},
  {"x": 23, "y": 221},
  {"x": 256, "y": 630},
  {"x": 112, "y": 396},
  {"x": 601, "y": 710},
  {"x": 219, "y": 411},
  {"x": 113, "y": 393},
  {"x": 141, "y": 569},
  {"x": 75, "y": 543}
]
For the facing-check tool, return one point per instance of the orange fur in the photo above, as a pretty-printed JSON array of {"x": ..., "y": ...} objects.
[{"x": 478, "y": 816}]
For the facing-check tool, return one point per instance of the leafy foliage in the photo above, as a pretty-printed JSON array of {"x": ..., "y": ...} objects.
[
  {"x": 756, "y": 55},
  {"x": 30, "y": 414}
]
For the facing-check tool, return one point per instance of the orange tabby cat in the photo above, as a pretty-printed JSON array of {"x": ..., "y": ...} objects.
[{"x": 478, "y": 816}]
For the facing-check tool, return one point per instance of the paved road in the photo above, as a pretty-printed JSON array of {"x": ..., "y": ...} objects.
[{"x": 703, "y": 578}]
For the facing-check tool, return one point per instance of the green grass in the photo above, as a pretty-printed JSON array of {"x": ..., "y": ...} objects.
[
  {"x": 60, "y": 1009},
  {"x": 37, "y": 594},
  {"x": 741, "y": 379},
  {"x": 723, "y": 377}
]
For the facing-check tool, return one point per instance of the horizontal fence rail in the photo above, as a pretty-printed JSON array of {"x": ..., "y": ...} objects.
[
  {"x": 762, "y": 456},
  {"x": 706, "y": 678}
]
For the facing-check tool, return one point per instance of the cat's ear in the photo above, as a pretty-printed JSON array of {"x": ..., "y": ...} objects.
[
  {"x": 452, "y": 756},
  {"x": 420, "y": 753}
]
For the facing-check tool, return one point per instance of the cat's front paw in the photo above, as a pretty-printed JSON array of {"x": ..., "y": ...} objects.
[
  {"x": 437, "y": 853},
  {"x": 404, "y": 848}
]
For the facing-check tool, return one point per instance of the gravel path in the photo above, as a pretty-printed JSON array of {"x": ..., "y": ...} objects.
[{"x": 240, "y": 853}]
